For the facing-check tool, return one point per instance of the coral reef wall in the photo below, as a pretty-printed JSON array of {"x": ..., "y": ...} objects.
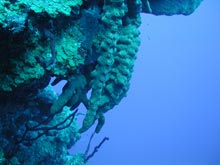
[{"x": 91, "y": 44}]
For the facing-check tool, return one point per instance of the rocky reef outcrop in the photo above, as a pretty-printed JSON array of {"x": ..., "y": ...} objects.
[{"x": 91, "y": 44}]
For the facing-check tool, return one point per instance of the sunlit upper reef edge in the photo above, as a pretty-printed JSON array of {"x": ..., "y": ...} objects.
[{"x": 92, "y": 44}]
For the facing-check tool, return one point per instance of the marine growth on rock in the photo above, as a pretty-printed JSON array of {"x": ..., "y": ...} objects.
[{"x": 91, "y": 44}]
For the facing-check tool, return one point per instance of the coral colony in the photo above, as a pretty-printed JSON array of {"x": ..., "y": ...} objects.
[{"x": 92, "y": 45}]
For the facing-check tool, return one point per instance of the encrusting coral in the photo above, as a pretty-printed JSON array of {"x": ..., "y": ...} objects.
[{"x": 92, "y": 45}]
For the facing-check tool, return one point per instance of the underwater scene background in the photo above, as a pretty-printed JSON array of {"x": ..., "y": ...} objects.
[{"x": 109, "y": 82}]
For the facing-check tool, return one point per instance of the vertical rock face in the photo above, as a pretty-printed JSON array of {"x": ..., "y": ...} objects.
[{"x": 92, "y": 45}]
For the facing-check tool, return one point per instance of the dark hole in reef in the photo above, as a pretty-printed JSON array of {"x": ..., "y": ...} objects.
[{"x": 10, "y": 45}]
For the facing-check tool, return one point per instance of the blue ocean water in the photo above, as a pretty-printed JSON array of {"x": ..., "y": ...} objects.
[{"x": 171, "y": 114}]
